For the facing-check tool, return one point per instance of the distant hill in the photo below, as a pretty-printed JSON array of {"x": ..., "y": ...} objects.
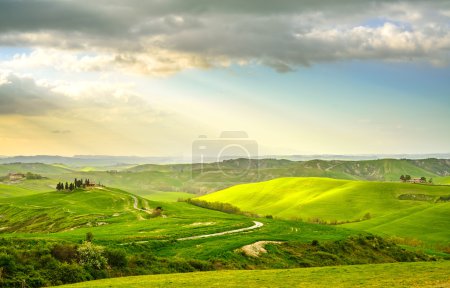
[
  {"x": 211, "y": 177},
  {"x": 38, "y": 168},
  {"x": 374, "y": 203},
  {"x": 202, "y": 179}
]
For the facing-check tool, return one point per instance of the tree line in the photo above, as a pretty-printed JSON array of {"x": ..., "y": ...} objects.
[
  {"x": 77, "y": 183},
  {"x": 406, "y": 178}
]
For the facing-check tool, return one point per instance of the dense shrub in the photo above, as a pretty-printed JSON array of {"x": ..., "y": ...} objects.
[
  {"x": 91, "y": 255},
  {"x": 116, "y": 258},
  {"x": 65, "y": 252},
  {"x": 7, "y": 263},
  {"x": 219, "y": 206}
]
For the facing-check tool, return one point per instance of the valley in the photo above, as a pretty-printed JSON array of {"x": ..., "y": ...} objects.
[{"x": 292, "y": 222}]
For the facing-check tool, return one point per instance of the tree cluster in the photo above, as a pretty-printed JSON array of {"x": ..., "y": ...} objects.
[
  {"x": 77, "y": 183},
  {"x": 406, "y": 178}
]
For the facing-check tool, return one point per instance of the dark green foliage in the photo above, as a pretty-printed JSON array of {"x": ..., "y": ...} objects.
[
  {"x": 116, "y": 258},
  {"x": 89, "y": 236},
  {"x": 443, "y": 199},
  {"x": 64, "y": 252},
  {"x": 7, "y": 263},
  {"x": 218, "y": 206},
  {"x": 38, "y": 263},
  {"x": 31, "y": 176}
]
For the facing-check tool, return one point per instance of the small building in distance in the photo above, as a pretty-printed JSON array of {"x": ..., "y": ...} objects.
[
  {"x": 416, "y": 180},
  {"x": 16, "y": 176},
  {"x": 90, "y": 184}
]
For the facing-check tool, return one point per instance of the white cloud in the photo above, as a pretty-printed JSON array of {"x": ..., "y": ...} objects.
[{"x": 160, "y": 38}]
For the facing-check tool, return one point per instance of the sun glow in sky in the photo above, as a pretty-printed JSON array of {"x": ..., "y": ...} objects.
[{"x": 148, "y": 77}]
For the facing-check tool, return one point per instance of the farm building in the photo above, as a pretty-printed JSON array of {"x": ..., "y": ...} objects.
[
  {"x": 416, "y": 180},
  {"x": 16, "y": 176}
]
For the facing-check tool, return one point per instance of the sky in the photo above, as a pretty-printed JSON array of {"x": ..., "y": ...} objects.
[{"x": 299, "y": 76}]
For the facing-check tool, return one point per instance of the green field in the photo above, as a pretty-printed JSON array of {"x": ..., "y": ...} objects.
[
  {"x": 442, "y": 180},
  {"x": 167, "y": 196},
  {"x": 43, "y": 169},
  {"x": 107, "y": 211},
  {"x": 34, "y": 220},
  {"x": 431, "y": 274},
  {"x": 7, "y": 191},
  {"x": 151, "y": 178},
  {"x": 343, "y": 200}
]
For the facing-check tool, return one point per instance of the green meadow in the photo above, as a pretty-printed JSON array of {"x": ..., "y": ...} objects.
[
  {"x": 138, "y": 217},
  {"x": 150, "y": 179},
  {"x": 372, "y": 206},
  {"x": 434, "y": 274}
]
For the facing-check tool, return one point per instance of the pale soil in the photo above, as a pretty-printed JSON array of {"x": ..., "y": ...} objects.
[{"x": 257, "y": 248}]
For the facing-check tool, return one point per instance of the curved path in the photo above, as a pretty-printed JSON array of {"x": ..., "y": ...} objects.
[
  {"x": 257, "y": 225},
  {"x": 135, "y": 204}
]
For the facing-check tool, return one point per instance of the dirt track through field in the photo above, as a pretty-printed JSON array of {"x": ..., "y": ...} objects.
[{"x": 257, "y": 225}]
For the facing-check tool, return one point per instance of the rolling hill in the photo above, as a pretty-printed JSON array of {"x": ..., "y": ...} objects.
[
  {"x": 150, "y": 180},
  {"x": 184, "y": 238},
  {"x": 39, "y": 168},
  {"x": 434, "y": 274},
  {"x": 63, "y": 210},
  {"x": 373, "y": 203},
  {"x": 14, "y": 191}
]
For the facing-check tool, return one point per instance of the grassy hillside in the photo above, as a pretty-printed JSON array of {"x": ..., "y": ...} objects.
[
  {"x": 434, "y": 274},
  {"x": 442, "y": 180},
  {"x": 39, "y": 168},
  {"x": 428, "y": 223},
  {"x": 60, "y": 211},
  {"x": 48, "y": 229},
  {"x": 110, "y": 213},
  {"x": 342, "y": 200},
  {"x": 14, "y": 191},
  {"x": 150, "y": 179}
]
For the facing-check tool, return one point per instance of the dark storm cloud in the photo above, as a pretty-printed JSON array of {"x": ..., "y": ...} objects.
[
  {"x": 282, "y": 34},
  {"x": 22, "y": 96},
  {"x": 27, "y": 16}
]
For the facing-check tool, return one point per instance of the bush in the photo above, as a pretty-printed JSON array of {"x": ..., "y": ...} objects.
[
  {"x": 116, "y": 258},
  {"x": 91, "y": 255},
  {"x": 64, "y": 252},
  {"x": 8, "y": 263},
  {"x": 72, "y": 273}
]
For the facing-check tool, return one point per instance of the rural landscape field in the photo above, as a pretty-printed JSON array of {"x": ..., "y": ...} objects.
[{"x": 192, "y": 143}]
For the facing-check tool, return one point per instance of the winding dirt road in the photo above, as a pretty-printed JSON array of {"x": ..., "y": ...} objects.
[
  {"x": 257, "y": 225},
  {"x": 135, "y": 205}
]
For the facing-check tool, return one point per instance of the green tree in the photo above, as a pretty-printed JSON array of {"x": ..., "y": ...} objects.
[
  {"x": 91, "y": 255},
  {"x": 407, "y": 177},
  {"x": 116, "y": 258},
  {"x": 67, "y": 186},
  {"x": 89, "y": 236},
  {"x": 402, "y": 178}
]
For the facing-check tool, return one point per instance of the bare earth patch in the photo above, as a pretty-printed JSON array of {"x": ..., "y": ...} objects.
[
  {"x": 201, "y": 224},
  {"x": 257, "y": 248}
]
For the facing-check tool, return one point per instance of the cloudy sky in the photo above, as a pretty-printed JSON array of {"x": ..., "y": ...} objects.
[{"x": 300, "y": 76}]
